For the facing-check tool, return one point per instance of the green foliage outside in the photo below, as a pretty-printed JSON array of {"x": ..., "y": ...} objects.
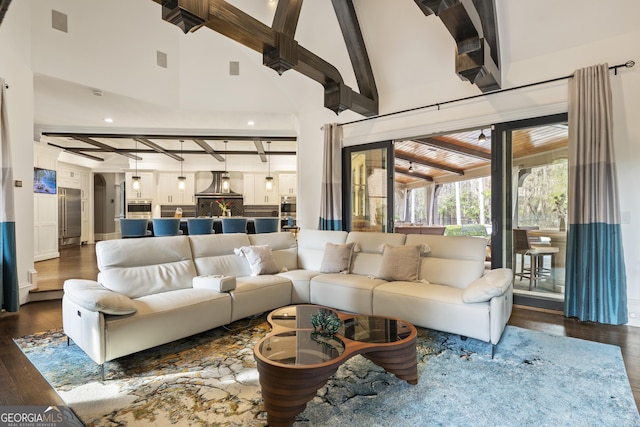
[{"x": 466, "y": 230}]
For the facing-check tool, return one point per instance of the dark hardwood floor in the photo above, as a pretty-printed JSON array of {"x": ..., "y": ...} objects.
[{"x": 23, "y": 385}]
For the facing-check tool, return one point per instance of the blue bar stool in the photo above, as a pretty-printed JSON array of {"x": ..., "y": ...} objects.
[
  {"x": 134, "y": 227},
  {"x": 200, "y": 226},
  {"x": 234, "y": 225},
  {"x": 166, "y": 226},
  {"x": 266, "y": 225}
]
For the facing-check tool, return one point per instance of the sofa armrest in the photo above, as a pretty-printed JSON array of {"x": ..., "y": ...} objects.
[
  {"x": 215, "y": 282},
  {"x": 92, "y": 296},
  {"x": 494, "y": 283}
]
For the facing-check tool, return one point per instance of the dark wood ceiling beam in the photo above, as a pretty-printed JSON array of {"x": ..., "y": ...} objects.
[
  {"x": 105, "y": 147},
  {"x": 424, "y": 162},
  {"x": 285, "y": 20},
  {"x": 280, "y": 51},
  {"x": 260, "y": 149},
  {"x": 158, "y": 149},
  {"x": 208, "y": 149},
  {"x": 172, "y": 137},
  {"x": 352, "y": 35},
  {"x": 454, "y": 148},
  {"x": 477, "y": 56},
  {"x": 413, "y": 174},
  {"x": 76, "y": 152},
  {"x": 4, "y": 6}
]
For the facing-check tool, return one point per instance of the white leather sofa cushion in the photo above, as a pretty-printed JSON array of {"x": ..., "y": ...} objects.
[
  {"x": 453, "y": 261},
  {"x": 283, "y": 247},
  {"x": 300, "y": 280},
  {"x": 208, "y": 245},
  {"x": 433, "y": 306},
  {"x": 347, "y": 292},
  {"x": 367, "y": 255},
  {"x": 147, "y": 266},
  {"x": 213, "y": 254},
  {"x": 311, "y": 245},
  {"x": 165, "y": 317},
  {"x": 257, "y": 294}
]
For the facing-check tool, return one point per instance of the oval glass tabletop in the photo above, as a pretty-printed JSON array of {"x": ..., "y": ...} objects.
[
  {"x": 372, "y": 329},
  {"x": 296, "y": 316},
  {"x": 301, "y": 347}
]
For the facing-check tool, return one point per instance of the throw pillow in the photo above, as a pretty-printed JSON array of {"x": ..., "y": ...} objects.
[
  {"x": 493, "y": 284},
  {"x": 93, "y": 296},
  {"x": 336, "y": 258},
  {"x": 260, "y": 259},
  {"x": 400, "y": 263}
]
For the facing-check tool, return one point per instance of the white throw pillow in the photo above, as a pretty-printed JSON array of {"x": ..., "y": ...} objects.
[
  {"x": 337, "y": 258},
  {"x": 260, "y": 259},
  {"x": 492, "y": 284},
  {"x": 400, "y": 262}
]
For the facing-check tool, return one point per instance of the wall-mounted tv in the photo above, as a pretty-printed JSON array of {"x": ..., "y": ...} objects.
[{"x": 44, "y": 181}]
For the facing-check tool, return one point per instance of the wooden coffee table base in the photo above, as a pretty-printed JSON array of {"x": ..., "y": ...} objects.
[{"x": 286, "y": 389}]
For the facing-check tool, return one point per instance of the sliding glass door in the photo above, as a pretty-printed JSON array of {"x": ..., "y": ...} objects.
[
  {"x": 368, "y": 187},
  {"x": 530, "y": 161}
]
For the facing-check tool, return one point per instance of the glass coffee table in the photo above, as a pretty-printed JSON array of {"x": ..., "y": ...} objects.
[{"x": 294, "y": 360}]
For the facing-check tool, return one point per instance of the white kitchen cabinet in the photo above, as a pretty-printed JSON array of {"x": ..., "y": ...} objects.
[
  {"x": 254, "y": 190},
  {"x": 168, "y": 192},
  {"x": 147, "y": 186},
  {"x": 287, "y": 184}
]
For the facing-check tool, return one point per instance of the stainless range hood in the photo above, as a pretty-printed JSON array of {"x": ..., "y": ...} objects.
[
  {"x": 207, "y": 200},
  {"x": 215, "y": 189}
]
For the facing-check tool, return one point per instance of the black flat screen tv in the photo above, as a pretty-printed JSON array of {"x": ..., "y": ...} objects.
[{"x": 44, "y": 181}]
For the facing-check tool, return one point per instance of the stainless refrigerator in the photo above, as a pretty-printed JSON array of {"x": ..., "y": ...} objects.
[{"x": 69, "y": 216}]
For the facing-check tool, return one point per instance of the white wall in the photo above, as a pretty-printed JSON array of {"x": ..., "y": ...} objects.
[{"x": 15, "y": 68}]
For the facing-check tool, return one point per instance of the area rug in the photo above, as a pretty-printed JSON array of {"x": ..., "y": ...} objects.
[{"x": 211, "y": 379}]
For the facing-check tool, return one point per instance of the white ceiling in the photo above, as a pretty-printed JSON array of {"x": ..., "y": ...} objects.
[{"x": 112, "y": 45}]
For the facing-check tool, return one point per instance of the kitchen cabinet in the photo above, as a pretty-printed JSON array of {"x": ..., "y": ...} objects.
[
  {"x": 254, "y": 190},
  {"x": 170, "y": 194},
  {"x": 147, "y": 186},
  {"x": 287, "y": 184}
]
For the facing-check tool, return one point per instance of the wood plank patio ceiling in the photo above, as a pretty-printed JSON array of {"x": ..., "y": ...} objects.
[{"x": 456, "y": 153}]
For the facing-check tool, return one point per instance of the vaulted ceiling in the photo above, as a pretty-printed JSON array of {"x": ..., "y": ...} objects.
[{"x": 413, "y": 51}]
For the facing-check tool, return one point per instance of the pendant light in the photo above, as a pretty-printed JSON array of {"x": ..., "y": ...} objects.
[
  {"x": 225, "y": 174},
  {"x": 135, "y": 179},
  {"x": 182, "y": 180},
  {"x": 268, "y": 181},
  {"x": 482, "y": 137},
  {"x": 410, "y": 167}
]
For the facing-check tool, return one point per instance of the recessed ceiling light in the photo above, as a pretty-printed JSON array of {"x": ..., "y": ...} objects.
[
  {"x": 108, "y": 120},
  {"x": 251, "y": 123}
]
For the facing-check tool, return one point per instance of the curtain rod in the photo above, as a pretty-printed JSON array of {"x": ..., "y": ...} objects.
[{"x": 627, "y": 64}]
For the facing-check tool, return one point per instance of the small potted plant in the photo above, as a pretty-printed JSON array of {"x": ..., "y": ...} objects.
[
  {"x": 560, "y": 202},
  {"x": 224, "y": 207}
]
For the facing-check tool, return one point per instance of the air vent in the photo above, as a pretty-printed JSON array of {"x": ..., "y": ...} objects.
[
  {"x": 59, "y": 21},
  {"x": 234, "y": 68},
  {"x": 162, "y": 59}
]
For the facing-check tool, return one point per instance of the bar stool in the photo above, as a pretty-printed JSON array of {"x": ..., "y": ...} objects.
[
  {"x": 134, "y": 227},
  {"x": 234, "y": 225},
  {"x": 166, "y": 227},
  {"x": 536, "y": 270},
  {"x": 200, "y": 226},
  {"x": 266, "y": 225}
]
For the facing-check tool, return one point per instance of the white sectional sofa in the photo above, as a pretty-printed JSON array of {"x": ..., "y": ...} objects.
[{"x": 145, "y": 294}]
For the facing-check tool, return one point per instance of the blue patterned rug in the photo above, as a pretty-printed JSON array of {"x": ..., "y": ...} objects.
[{"x": 210, "y": 379}]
